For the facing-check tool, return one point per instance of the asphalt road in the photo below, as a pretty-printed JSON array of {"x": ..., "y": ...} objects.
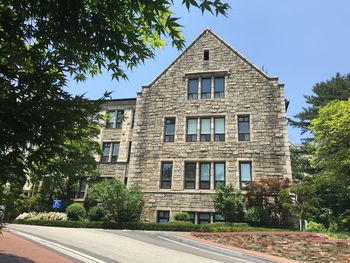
[{"x": 96, "y": 245}]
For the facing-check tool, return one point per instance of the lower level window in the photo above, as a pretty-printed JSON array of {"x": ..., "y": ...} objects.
[
  {"x": 218, "y": 217},
  {"x": 203, "y": 218},
  {"x": 163, "y": 217},
  {"x": 192, "y": 216}
]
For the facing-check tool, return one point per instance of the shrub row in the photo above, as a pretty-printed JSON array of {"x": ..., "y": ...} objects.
[{"x": 172, "y": 226}]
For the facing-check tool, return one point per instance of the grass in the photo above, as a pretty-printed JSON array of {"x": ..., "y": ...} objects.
[{"x": 338, "y": 235}]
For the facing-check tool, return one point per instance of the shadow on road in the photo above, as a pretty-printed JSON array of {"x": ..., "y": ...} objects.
[{"x": 10, "y": 258}]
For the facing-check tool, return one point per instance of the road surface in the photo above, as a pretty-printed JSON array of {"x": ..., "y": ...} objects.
[{"x": 101, "y": 246}]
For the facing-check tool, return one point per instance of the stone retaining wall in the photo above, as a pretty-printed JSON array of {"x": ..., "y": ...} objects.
[{"x": 304, "y": 247}]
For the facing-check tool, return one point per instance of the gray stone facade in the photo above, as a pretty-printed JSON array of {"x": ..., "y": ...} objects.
[{"x": 247, "y": 92}]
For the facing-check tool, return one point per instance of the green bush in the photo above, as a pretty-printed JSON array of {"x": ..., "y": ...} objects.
[
  {"x": 89, "y": 203},
  {"x": 182, "y": 216},
  {"x": 75, "y": 212},
  {"x": 96, "y": 213},
  {"x": 171, "y": 226},
  {"x": 123, "y": 204},
  {"x": 344, "y": 220},
  {"x": 256, "y": 216},
  {"x": 229, "y": 201},
  {"x": 333, "y": 227},
  {"x": 315, "y": 227}
]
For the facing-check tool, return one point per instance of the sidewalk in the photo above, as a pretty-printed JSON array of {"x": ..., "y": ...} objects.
[{"x": 15, "y": 249}]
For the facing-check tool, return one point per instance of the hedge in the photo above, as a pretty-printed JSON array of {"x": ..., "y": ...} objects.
[{"x": 171, "y": 226}]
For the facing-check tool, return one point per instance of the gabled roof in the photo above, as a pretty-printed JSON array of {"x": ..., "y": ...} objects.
[{"x": 223, "y": 42}]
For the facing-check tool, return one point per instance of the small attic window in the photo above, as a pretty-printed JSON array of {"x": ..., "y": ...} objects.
[{"x": 206, "y": 55}]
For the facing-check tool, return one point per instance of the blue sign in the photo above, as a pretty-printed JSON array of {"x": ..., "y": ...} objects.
[{"x": 57, "y": 204}]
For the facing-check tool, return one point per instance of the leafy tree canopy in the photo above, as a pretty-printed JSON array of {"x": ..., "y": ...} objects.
[
  {"x": 43, "y": 42},
  {"x": 332, "y": 137},
  {"x": 338, "y": 88},
  {"x": 300, "y": 199},
  {"x": 265, "y": 193}
]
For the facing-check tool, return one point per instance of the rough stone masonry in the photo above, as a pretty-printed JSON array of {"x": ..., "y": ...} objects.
[{"x": 143, "y": 150}]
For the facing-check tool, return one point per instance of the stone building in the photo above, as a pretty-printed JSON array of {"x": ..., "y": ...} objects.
[{"x": 211, "y": 117}]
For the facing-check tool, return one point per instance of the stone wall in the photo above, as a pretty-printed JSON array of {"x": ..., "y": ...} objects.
[
  {"x": 247, "y": 91},
  {"x": 119, "y": 169},
  {"x": 184, "y": 201},
  {"x": 115, "y": 170},
  {"x": 304, "y": 247}
]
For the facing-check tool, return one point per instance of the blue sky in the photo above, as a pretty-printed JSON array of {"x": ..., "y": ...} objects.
[{"x": 300, "y": 41}]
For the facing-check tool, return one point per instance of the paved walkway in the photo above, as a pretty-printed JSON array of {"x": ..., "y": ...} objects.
[{"x": 15, "y": 249}]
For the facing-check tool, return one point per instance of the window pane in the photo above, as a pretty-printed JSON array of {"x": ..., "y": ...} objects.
[
  {"x": 192, "y": 217},
  {"x": 120, "y": 114},
  {"x": 206, "y": 84},
  {"x": 203, "y": 218},
  {"x": 219, "y": 125},
  {"x": 190, "y": 175},
  {"x": 205, "y": 126},
  {"x": 205, "y": 171},
  {"x": 192, "y": 126},
  {"x": 163, "y": 217},
  {"x": 219, "y": 171},
  {"x": 218, "y": 217},
  {"x": 167, "y": 170},
  {"x": 115, "y": 149},
  {"x": 106, "y": 149},
  {"x": 111, "y": 118},
  {"x": 219, "y": 84},
  {"x": 243, "y": 127},
  {"x": 245, "y": 170},
  {"x": 170, "y": 126},
  {"x": 115, "y": 152},
  {"x": 190, "y": 171},
  {"x": 192, "y": 89},
  {"x": 165, "y": 177}
]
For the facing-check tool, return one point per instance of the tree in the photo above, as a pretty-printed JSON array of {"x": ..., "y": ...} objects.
[
  {"x": 327, "y": 152},
  {"x": 123, "y": 204},
  {"x": 43, "y": 42},
  {"x": 74, "y": 161},
  {"x": 332, "y": 155},
  {"x": 300, "y": 199},
  {"x": 332, "y": 137},
  {"x": 300, "y": 160},
  {"x": 230, "y": 202},
  {"x": 265, "y": 193},
  {"x": 338, "y": 88}
]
